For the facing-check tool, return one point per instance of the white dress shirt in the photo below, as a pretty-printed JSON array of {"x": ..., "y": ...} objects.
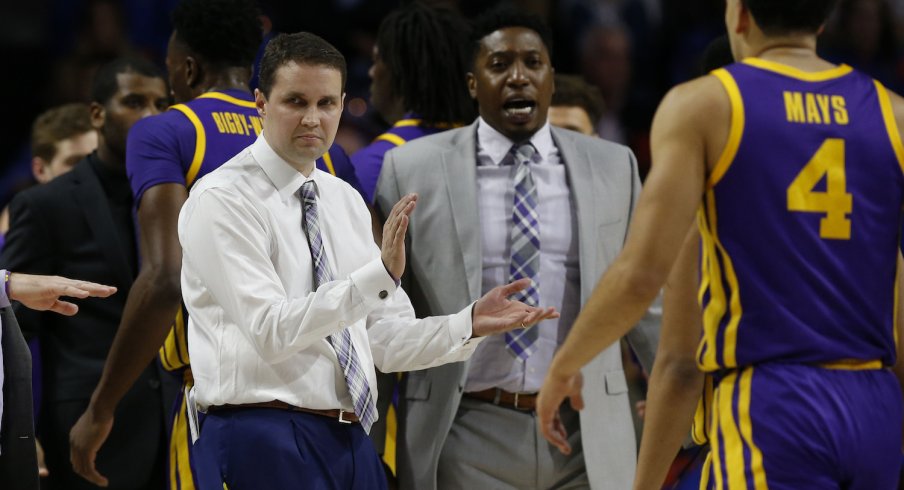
[
  {"x": 257, "y": 332},
  {"x": 559, "y": 278}
]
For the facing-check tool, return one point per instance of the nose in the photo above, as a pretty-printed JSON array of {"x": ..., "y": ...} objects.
[
  {"x": 309, "y": 118},
  {"x": 517, "y": 75}
]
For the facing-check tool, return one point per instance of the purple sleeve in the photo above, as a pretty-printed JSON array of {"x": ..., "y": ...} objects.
[
  {"x": 156, "y": 151},
  {"x": 367, "y": 162}
]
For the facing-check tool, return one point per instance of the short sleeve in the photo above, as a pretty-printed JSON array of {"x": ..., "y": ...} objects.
[{"x": 155, "y": 152}]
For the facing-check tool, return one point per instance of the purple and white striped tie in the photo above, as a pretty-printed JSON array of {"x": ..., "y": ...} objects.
[
  {"x": 355, "y": 377},
  {"x": 525, "y": 234}
]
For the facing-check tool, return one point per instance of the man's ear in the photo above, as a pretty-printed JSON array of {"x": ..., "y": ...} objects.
[
  {"x": 472, "y": 84},
  {"x": 40, "y": 169},
  {"x": 260, "y": 100},
  {"x": 193, "y": 71},
  {"x": 98, "y": 116}
]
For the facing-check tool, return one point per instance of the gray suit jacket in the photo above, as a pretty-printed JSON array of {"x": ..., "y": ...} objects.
[{"x": 444, "y": 275}]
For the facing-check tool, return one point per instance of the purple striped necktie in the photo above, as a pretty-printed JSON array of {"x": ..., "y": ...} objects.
[
  {"x": 355, "y": 377},
  {"x": 525, "y": 238}
]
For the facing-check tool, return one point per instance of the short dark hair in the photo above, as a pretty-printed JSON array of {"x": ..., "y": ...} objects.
[
  {"x": 572, "y": 90},
  {"x": 105, "y": 84},
  {"x": 57, "y": 124},
  {"x": 505, "y": 15},
  {"x": 225, "y": 33},
  {"x": 425, "y": 50},
  {"x": 780, "y": 17},
  {"x": 303, "y": 48}
]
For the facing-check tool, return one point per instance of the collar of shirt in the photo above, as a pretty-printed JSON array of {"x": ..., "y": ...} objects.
[
  {"x": 496, "y": 145},
  {"x": 283, "y": 176}
]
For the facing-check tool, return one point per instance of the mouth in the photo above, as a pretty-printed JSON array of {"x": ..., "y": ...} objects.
[{"x": 519, "y": 109}]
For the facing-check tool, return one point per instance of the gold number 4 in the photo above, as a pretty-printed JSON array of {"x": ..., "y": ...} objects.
[{"x": 835, "y": 202}]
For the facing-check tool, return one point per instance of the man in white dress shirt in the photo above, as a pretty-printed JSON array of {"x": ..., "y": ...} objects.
[{"x": 292, "y": 304}]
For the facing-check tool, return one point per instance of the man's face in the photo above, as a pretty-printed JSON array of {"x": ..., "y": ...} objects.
[
  {"x": 69, "y": 152},
  {"x": 512, "y": 82},
  {"x": 571, "y": 117},
  {"x": 301, "y": 115},
  {"x": 138, "y": 97},
  {"x": 380, "y": 83},
  {"x": 176, "y": 67}
]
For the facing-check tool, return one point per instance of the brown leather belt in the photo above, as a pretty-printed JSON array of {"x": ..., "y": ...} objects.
[
  {"x": 341, "y": 416},
  {"x": 519, "y": 401}
]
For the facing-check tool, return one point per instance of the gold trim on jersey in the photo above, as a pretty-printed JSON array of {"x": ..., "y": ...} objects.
[
  {"x": 200, "y": 143},
  {"x": 328, "y": 161},
  {"x": 891, "y": 124},
  {"x": 228, "y": 98},
  {"x": 719, "y": 275},
  {"x": 392, "y": 138},
  {"x": 737, "y": 433},
  {"x": 736, "y": 128},
  {"x": 407, "y": 122},
  {"x": 790, "y": 71},
  {"x": 174, "y": 352},
  {"x": 854, "y": 364},
  {"x": 703, "y": 415}
]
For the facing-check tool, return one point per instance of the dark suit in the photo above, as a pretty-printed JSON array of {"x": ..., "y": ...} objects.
[
  {"x": 73, "y": 227},
  {"x": 18, "y": 464}
]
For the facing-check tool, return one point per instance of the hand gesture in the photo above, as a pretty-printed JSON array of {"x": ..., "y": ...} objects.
[
  {"x": 393, "y": 249},
  {"x": 44, "y": 292},
  {"x": 85, "y": 439},
  {"x": 554, "y": 391},
  {"x": 495, "y": 313}
]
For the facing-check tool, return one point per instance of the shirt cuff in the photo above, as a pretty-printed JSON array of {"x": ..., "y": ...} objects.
[
  {"x": 374, "y": 283},
  {"x": 4, "y": 298},
  {"x": 460, "y": 330}
]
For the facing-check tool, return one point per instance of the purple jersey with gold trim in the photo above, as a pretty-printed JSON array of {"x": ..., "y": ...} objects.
[
  {"x": 800, "y": 221},
  {"x": 189, "y": 140}
]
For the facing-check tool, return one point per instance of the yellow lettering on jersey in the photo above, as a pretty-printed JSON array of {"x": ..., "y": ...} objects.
[
  {"x": 230, "y": 122},
  {"x": 823, "y": 101},
  {"x": 257, "y": 123},
  {"x": 812, "y": 109},
  {"x": 794, "y": 106},
  {"x": 219, "y": 121},
  {"x": 841, "y": 113},
  {"x": 835, "y": 202}
]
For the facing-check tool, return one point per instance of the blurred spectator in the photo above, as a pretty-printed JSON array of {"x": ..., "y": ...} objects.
[
  {"x": 576, "y": 105},
  {"x": 60, "y": 137},
  {"x": 862, "y": 34}
]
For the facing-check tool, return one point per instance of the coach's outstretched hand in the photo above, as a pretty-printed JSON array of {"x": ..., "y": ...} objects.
[
  {"x": 495, "y": 313},
  {"x": 44, "y": 292}
]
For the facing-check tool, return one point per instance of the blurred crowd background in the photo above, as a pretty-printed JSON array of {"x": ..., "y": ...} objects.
[{"x": 632, "y": 50}]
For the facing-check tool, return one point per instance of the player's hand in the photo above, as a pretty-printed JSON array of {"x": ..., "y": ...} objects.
[
  {"x": 85, "y": 439},
  {"x": 44, "y": 292},
  {"x": 554, "y": 391},
  {"x": 393, "y": 249},
  {"x": 495, "y": 313},
  {"x": 42, "y": 464}
]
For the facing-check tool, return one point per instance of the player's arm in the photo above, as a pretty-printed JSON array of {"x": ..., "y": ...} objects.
[
  {"x": 689, "y": 117},
  {"x": 676, "y": 383},
  {"x": 152, "y": 304}
]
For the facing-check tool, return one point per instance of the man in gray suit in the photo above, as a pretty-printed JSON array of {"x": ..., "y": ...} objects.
[{"x": 510, "y": 197}]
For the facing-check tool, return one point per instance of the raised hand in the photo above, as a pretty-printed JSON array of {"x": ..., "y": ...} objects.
[
  {"x": 495, "y": 313},
  {"x": 393, "y": 249},
  {"x": 44, "y": 292}
]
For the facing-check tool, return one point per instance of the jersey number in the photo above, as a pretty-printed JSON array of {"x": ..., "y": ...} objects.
[{"x": 835, "y": 202}]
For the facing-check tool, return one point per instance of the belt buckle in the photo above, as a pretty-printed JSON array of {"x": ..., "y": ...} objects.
[
  {"x": 342, "y": 420},
  {"x": 516, "y": 401}
]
